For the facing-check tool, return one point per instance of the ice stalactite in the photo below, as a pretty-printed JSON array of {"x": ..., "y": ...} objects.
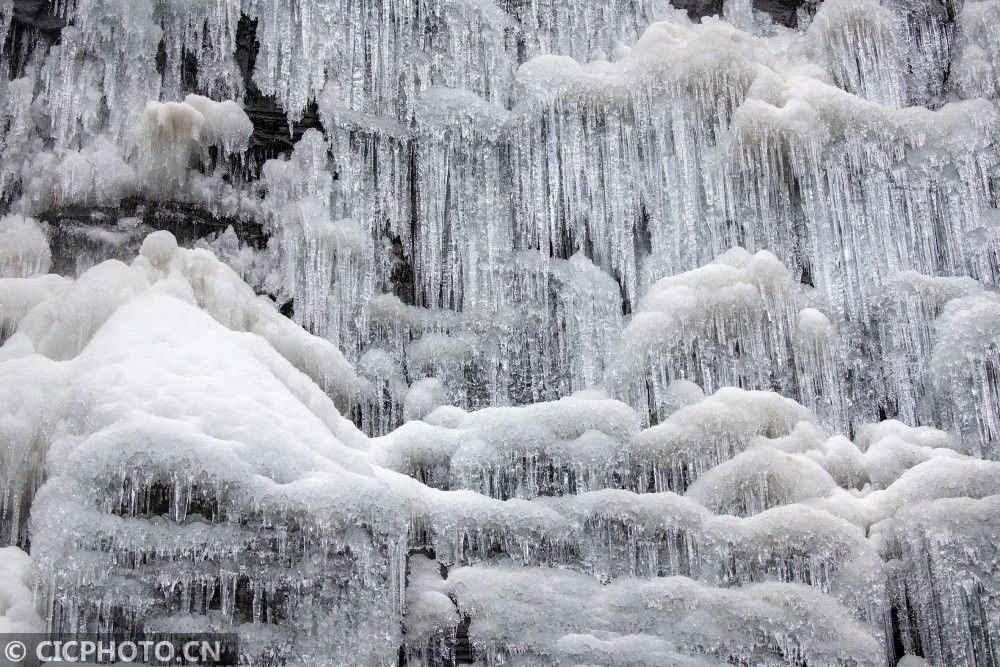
[
  {"x": 293, "y": 55},
  {"x": 24, "y": 248},
  {"x": 944, "y": 602},
  {"x": 741, "y": 320},
  {"x": 71, "y": 82},
  {"x": 549, "y": 332},
  {"x": 94, "y": 175},
  {"x": 324, "y": 259},
  {"x": 387, "y": 53},
  {"x": 117, "y": 42},
  {"x": 458, "y": 261},
  {"x": 947, "y": 185},
  {"x": 859, "y": 41},
  {"x": 16, "y": 130},
  {"x": 905, "y": 330},
  {"x": 608, "y": 154},
  {"x": 927, "y": 44},
  {"x": 965, "y": 367},
  {"x": 818, "y": 367},
  {"x": 976, "y": 67},
  {"x": 206, "y": 34},
  {"x": 583, "y": 30},
  {"x": 381, "y": 401}
]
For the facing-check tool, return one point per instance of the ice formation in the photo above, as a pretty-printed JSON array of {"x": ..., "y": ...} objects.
[
  {"x": 455, "y": 331},
  {"x": 24, "y": 248},
  {"x": 16, "y": 601}
]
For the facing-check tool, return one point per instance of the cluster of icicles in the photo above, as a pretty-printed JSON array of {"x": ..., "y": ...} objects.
[
  {"x": 175, "y": 461},
  {"x": 487, "y": 214},
  {"x": 685, "y": 253}
]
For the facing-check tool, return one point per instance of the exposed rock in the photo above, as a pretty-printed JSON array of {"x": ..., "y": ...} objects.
[
  {"x": 84, "y": 236},
  {"x": 273, "y": 133}
]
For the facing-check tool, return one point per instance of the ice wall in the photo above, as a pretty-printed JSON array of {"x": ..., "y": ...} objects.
[
  {"x": 459, "y": 139},
  {"x": 530, "y": 333}
]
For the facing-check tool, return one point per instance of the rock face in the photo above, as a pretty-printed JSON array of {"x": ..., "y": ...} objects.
[
  {"x": 551, "y": 332},
  {"x": 86, "y": 236},
  {"x": 785, "y": 12},
  {"x": 698, "y": 9},
  {"x": 274, "y": 134},
  {"x": 40, "y": 15}
]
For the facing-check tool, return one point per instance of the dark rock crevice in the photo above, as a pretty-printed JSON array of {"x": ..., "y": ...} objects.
[
  {"x": 274, "y": 135},
  {"x": 31, "y": 22},
  {"x": 83, "y": 236}
]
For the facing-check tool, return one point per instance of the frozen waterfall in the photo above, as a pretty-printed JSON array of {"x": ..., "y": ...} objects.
[{"x": 495, "y": 332}]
